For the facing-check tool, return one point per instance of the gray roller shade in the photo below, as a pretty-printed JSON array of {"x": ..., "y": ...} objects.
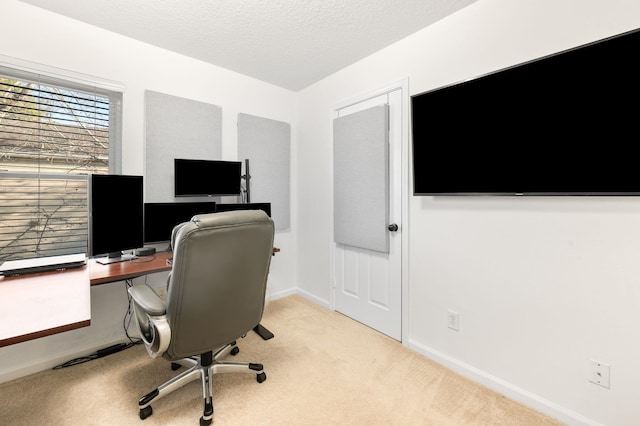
[{"x": 361, "y": 179}]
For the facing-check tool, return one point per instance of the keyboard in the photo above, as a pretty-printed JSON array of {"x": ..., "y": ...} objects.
[{"x": 42, "y": 264}]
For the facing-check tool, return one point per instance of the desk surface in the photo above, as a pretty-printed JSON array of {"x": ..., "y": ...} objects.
[
  {"x": 118, "y": 271},
  {"x": 42, "y": 304},
  {"x": 46, "y": 303}
]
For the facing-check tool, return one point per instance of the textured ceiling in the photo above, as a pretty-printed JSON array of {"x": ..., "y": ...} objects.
[{"x": 289, "y": 43}]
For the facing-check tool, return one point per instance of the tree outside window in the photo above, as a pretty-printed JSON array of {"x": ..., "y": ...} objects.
[{"x": 51, "y": 138}]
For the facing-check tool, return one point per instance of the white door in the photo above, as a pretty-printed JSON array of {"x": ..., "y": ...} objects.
[{"x": 367, "y": 285}]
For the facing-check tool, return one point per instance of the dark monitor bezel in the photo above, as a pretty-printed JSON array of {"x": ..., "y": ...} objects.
[
  {"x": 554, "y": 126},
  {"x": 115, "y": 214},
  {"x": 171, "y": 214},
  {"x": 206, "y": 178}
]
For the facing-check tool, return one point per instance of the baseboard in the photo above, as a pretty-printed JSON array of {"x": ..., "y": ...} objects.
[
  {"x": 509, "y": 390},
  {"x": 314, "y": 299},
  {"x": 281, "y": 294},
  {"x": 47, "y": 363},
  {"x": 308, "y": 296}
]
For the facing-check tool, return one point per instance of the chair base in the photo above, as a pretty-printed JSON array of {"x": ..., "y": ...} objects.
[{"x": 203, "y": 367}]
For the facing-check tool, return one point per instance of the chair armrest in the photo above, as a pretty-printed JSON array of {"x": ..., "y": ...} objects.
[
  {"x": 147, "y": 300},
  {"x": 149, "y": 311}
]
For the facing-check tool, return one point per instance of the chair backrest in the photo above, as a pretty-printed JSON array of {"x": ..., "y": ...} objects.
[{"x": 216, "y": 291}]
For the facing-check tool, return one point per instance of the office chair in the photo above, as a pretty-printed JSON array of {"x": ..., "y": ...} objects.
[{"x": 215, "y": 295}]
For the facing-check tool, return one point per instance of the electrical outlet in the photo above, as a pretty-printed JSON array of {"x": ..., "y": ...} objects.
[
  {"x": 600, "y": 373},
  {"x": 453, "y": 320}
]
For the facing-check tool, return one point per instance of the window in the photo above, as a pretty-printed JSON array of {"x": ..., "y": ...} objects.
[{"x": 53, "y": 134}]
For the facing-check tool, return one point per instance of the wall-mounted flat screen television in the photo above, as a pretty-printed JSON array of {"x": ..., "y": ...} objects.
[
  {"x": 564, "y": 124},
  {"x": 206, "y": 177}
]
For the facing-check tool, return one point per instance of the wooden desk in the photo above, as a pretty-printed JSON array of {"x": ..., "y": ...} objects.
[
  {"x": 46, "y": 303},
  {"x": 42, "y": 304},
  {"x": 38, "y": 305},
  {"x": 119, "y": 271},
  {"x": 101, "y": 274}
]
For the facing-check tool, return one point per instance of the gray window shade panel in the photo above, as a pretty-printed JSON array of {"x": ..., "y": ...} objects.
[
  {"x": 361, "y": 179},
  {"x": 266, "y": 144},
  {"x": 177, "y": 128}
]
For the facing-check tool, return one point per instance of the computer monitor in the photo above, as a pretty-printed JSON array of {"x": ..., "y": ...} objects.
[
  {"x": 161, "y": 218},
  {"x": 206, "y": 177},
  {"x": 115, "y": 216}
]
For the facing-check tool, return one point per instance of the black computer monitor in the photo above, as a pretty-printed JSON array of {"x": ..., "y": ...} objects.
[
  {"x": 115, "y": 216},
  {"x": 206, "y": 177},
  {"x": 161, "y": 218}
]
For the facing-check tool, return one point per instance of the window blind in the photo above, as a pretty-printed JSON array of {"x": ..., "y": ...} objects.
[{"x": 53, "y": 134}]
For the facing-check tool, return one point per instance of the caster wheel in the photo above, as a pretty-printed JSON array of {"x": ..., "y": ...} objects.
[
  {"x": 145, "y": 412},
  {"x": 261, "y": 377},
  {"x": 235, "y": 350},
  {"x": 204, "y": 422},
  {"x": 175, "y": 366}
]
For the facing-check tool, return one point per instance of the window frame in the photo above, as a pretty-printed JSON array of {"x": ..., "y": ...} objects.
[{"x": 25, "y": 70}]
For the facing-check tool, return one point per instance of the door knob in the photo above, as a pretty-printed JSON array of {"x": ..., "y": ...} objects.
[{"x": 393, "y": 227}]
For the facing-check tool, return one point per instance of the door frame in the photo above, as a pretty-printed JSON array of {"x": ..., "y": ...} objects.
[{"x": 403, "y": 86}]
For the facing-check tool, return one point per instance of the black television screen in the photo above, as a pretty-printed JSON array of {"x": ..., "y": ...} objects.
[
  {"x": 206, "y": 177},
  {"x": 115, "y": 216},
  {"x": 564, "y": 124},
  {"x": 161, "y": 218}
]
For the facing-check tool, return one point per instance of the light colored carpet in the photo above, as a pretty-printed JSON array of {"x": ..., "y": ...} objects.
[{"x": 322, "y": 369}]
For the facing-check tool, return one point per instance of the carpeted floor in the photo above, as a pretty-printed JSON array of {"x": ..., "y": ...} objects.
[{"x": 322, "y": 369}]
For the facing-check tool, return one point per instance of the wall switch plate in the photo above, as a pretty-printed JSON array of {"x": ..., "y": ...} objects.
[
  {"x": 600, "y": 373},
  {"x": 453, "y": 320}
]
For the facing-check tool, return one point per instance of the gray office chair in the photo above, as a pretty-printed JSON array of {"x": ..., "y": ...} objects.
[{"x": 215, "y": 295}]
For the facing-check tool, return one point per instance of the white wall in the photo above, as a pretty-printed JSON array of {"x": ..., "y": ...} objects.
[
  {"x": 35, "y": 35},
  {"x": 542, "y": 284}
]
